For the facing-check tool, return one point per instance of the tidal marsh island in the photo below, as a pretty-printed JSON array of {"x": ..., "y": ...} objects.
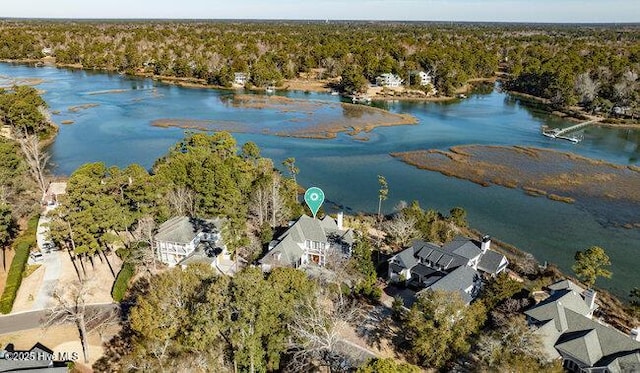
[
  {"x": 608, "y": 190},
  {"x": 296, "y": 117}
]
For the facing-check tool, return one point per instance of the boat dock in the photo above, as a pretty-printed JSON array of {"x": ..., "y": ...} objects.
[{"x": 558, "y": 133}]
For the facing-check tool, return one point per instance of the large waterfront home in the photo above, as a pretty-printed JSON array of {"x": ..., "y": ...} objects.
[
  {"x": 181, "y": 236},
  {"x": 455, "y": 266},
  {"x": 388, "y": 80},
  {"x": 309, "y": 241},
  {"x": 569, "y": 332}
]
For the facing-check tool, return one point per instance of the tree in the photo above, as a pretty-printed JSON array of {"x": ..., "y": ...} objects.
[
  {"x": 290, "y": 164},
  {"x": 590, "y": 264},
  {"x": 438, "y": 327},
  {"x": 383, "y": 193},
  {"x": 458, "y": 216},
  {"x": 362, "y": 265},
  {"x": 182, "y": 201},
  {"x": 37, "y": 160},
  {"x": 352, "y": 80},
  {"x": 634, "y": 294},
  {"x": 499, "y": 288},
  {"x": 387, "y": 365},
  {"x": 587, "y": 88},
  {"x": 316, "y": 330},
  {"x": 514, "y": 347},
  {"x": 7, "y": 231},
  {"x": 401, "y": 229},
  {"x": 72, "y": 307}
]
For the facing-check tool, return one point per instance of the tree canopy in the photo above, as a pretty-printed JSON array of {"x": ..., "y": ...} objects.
[{"x": 591, "y": 264}]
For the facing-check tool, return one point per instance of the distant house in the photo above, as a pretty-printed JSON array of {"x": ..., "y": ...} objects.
[
  {"x": 309, "y": 241},
  {"x": 389, "y": 80},
  {"x": 181, "y": 237},
  {"x": 47, "y": 51},
  {"x": 240, "y": 78},
  {"x": 452, "y": 267},
  {"x": 424, "y": 78},
  {"x": 565, "y": 324}
]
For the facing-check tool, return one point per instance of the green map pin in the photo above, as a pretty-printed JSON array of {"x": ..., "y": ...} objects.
[{"x": 314, "y": 197}]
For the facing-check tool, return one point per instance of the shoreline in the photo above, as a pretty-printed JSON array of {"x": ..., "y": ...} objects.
[{"x": 574, "y": 114}]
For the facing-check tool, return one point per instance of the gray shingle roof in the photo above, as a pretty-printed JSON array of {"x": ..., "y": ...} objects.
[
  {"x": 184, "y": 229},
  {"x": 624, "y": 362},
  {"x": 577, "y": 336},
  {"x": 423, "y": 270},
  {"x": 564, "y": 285},
  {"x": 583, "y": 345},
  {"x": 406, "y": 258},
  {"x": 289, "y": 246},
  {"x": 552, "y": 308},
  {"x": 437, "y": 255},
  {"x": 458, "y": 280},
  {"x": 490, "y": 261},
  {"x": 464, "y": 247}
]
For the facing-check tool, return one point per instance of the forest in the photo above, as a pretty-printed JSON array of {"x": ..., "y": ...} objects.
[{"x": 595, "y": 67}]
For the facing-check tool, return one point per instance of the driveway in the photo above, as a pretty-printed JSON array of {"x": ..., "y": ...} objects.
[{"x": 51, "y": 263}]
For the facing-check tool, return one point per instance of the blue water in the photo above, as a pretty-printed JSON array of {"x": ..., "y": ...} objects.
[{"x": 119, "y": 132}]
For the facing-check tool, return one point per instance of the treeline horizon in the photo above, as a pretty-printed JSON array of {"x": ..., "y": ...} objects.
[{"x": 322, "y": 21}]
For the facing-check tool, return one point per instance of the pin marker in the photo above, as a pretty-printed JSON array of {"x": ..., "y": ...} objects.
[{"x": 314, "y": 197}]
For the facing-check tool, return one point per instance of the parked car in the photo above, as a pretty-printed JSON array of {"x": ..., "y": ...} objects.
[
  {"x": 36, "y": 256},
  {"x": 48, "y": 246}
]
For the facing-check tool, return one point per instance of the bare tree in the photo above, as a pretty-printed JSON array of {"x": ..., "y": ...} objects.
[
  {"x": 267, "y": 203},
  {"x": 587, "y": 88},
  {"x": 401, "y": 229},
  {"x": 277, "y": 205},
  {"x": 72, "y": 307},
  {"x": 144, "y": 234},
  {"x": 182, "y": 201},
  {"x": 37, "y": 159},
  {"x": 259, "y": 206},
  {"x": 316, "y": 329}
]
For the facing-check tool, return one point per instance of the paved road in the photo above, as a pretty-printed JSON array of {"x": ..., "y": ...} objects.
[{"x": 34, "y": 319}]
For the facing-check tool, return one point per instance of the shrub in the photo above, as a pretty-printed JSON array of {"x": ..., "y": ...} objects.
[
  {"x": 122, "y": 282},
  {"x": 22, "y": 246}
]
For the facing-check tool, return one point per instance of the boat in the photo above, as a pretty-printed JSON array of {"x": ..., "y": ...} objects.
[
  {"x": 334, "y": 92},
  {"x": 270, "y": 89},
  {"x": 462, "y": 96},
  {"x": 361, "y": 99},
  {"x": 39, "y": 64}
]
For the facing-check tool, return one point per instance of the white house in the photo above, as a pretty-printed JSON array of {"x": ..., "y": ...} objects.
[
  {"x": 240, "y": 78},
  {"x": 389, "y": 80},
  {"x": 309, "y": 241},
  {"x": 182, "y": 236},
  {"x": 424, "y": 78},
  {"x": 451, "y": 267}
]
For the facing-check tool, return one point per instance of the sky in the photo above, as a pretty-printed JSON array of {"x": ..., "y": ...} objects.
[{"x": 597, "y": 11}]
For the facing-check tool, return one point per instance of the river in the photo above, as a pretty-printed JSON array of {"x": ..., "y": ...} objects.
[{"x": 118, "y": 131}]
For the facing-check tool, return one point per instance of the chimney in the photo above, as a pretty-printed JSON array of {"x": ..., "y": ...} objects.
[
  {"x": 635, "y": 334},
  {"x": 486, "y": 243},
  {"x": 339, "y": 219},
  {"x": 590, "y": 298}
]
